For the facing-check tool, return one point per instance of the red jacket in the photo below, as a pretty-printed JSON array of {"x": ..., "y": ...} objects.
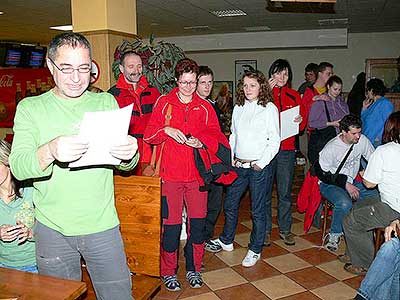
[
  {"x": 285, "y": 98},
  {"x": 197, "y": 119},
  {"x": 308, "y": 199},
  {"x": 143, "y": 99},
  {"x": 307, "y": 101}
]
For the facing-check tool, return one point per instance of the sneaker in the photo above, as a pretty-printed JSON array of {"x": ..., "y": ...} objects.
[
  {"x": 213, "y": 247},
  {"x": 267, "y": 241},
  {"x": 344, "y": 258},
  {"x": 171, "y": 283},
  {"x": 194, "y": 279},
  {"x": 288, "y": 238},
  {"x": 250, "y": 259},
  {"x": 333, "y": 241},
  {"x": 221, "y": 246}
]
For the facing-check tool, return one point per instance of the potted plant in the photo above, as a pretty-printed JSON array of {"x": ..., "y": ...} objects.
[{"x": 159, "y": 60}]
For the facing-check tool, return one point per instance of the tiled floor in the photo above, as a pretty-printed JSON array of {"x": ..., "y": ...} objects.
[{"x": 300, "y": 272}]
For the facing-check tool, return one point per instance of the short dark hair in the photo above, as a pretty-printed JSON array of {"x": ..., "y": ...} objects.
[
  {"x": 312, "y": 67},
  {"x": 125, "y": 54},
  {"x": 376, "y": 86},
  {"x": 391, "y": 131},
  {"x": 280, "y": 65},
  {"x": 323, "y": 65},
  {"x": 204, "y": 71},
  {"x": 186, "y": 65},
  {"x": 334, "y": 79},
  {"x": 350, "y": 121},
  {"x": 71, "y": 39}
]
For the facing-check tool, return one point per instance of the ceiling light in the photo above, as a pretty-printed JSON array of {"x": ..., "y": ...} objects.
[
  {"x": 228, "y": 13},
  {"x": 62, "y": 27},
  {"x": 196, "y": 27},
  {"x": 1, "y": 12},
  {"x": 326, "y": 22},
  {"x": 257, "y": 28}
]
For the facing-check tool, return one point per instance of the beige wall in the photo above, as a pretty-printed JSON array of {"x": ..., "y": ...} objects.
[{"x": 348, "y": 61}]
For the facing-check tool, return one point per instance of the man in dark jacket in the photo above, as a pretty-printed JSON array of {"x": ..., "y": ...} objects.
[{"x": 132, "y": 87}]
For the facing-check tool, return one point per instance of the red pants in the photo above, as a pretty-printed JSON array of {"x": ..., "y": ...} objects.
[{"x": 174, "y": 196}]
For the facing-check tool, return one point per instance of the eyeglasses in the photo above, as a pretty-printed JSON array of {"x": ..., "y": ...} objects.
[
  {"x": 205, "y": 83},
  {"x": 186, "y": 83},
  {"x": 70, "y": 70}
]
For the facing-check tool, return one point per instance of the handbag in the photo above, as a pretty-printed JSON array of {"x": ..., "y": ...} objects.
[
  {"x": 153, "y": 169},
  {"x": 319, "y": 138}
]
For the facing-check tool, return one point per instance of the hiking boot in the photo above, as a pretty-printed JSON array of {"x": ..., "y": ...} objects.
[
  {"x": 267, "y": 241},
  {"x": 171, "y": 283},
  {"x": 288, "y": 238},
  {"x": 221, "y": 246},
  {"x": 333, "y": 241},
  {"x": 194, "y": 279},
  {"x": 210, "y": 246},
  {"x": 250, "y": 259}
]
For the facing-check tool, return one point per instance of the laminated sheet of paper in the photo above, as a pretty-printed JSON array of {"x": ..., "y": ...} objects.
[
  {"x": 288, "y": 126},
  {"x": 103, "y": 129}
]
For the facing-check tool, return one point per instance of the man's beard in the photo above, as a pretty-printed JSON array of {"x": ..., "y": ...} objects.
[{"x": 134, "y": 75}]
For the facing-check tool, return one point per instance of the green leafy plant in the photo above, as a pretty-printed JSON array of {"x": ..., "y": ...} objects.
[{"x": 159, "y": 60}]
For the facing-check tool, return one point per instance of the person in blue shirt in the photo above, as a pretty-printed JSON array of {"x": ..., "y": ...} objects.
[{"x": 376, "y": 109}]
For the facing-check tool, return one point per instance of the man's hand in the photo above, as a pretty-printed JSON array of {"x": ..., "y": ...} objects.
[
  {"x": 298, "y": 119},
  {"x": 393, "y": 227},
  {"x": 176, "y": 134},
  {"x": 367, "y": 102},
  {"x": 9, "y": 233},
  {"x": 333, "y": 123},
  {"x": 353, "y": 191},
  {"x": 125, "y": 151},
  {"x": 194, "y": 142},
  {"x": 67, "y": 148}
]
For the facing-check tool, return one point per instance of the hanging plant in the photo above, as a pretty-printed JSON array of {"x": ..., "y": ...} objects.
[{"x": 159, "y": 61}]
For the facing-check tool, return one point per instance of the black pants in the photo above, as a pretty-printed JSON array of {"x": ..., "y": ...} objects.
[{"x": 214, "y": 205}]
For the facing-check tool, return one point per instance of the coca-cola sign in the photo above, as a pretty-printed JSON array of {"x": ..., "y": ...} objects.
[{"x": 6, "y": 80}]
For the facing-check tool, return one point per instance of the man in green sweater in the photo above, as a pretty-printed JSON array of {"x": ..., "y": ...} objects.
[{"x": 75, "y": 211}]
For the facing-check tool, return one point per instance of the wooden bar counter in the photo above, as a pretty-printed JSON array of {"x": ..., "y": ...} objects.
[{"x": 20, "y": 285}]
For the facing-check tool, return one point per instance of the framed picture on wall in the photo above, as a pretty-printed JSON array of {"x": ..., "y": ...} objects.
[
  {"x": 222, "y": 94},
  {"x": 241, "y": 66}
]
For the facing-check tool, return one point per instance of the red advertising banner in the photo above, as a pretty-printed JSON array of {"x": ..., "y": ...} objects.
[{"x": 16, "y": 84}]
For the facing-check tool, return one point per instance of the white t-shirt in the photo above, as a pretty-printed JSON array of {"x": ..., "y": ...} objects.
[
  {"x": 384, "y": 170},
  {"x": 335, "y": 150},
  {"x": 255, "y": 132}
]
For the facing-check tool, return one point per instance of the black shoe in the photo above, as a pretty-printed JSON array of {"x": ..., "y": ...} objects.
[
  {"x": 267, "y": 240},
  {"x": 171, "y": 283},
  {"x": 288, "y": 238},
  {"x": 194, "y": 279}
]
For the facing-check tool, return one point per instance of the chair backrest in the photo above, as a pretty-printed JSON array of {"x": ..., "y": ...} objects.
[{"x": 138, "y": 202}]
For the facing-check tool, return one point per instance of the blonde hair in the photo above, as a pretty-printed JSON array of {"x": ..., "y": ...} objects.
[{"x": 5, "y": 149}]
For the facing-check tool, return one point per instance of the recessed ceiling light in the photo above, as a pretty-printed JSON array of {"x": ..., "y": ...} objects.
[
  {"x": 228, "y": 13},
  {"x": 62, "y": 27},
  {"x": 1, "y": 13},
  {"x": 196, "y": 27},
  {"x": 257, "y": 28},
  {"x": 343, "y": 21}
]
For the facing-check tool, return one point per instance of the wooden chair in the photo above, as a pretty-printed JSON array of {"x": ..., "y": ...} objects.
[
  {"x": 326, "y": 207},
  {"x": 379, "y": 238},
  {"x": 138, "y": 202}
]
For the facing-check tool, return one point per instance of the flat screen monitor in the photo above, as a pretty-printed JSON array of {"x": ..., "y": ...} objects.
[
  {"x": 36, "y": 58},
  {"x": 13, "y": 57}
]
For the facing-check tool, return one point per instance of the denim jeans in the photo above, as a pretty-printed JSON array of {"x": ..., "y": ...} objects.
[
  {"x": 60, "y": 256},
  {"x": 259, "y": 183},
  {"x": 30, "y": 269},
  {"x": 342, "y": 203},
  {"x": 283, "y": 167},
  {"x": 382, "y": 281}
]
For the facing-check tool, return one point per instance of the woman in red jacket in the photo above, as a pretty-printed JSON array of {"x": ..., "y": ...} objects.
[
  {"x": 280, "y": 74},
  {"x": 192, "y": 120}
]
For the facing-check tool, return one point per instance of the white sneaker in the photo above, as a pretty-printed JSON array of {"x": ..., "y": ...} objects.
[
  {"x": 225, "y": 247},
  {"x": 251, "y": 259}
]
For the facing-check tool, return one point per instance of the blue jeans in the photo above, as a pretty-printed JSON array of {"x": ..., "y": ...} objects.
[
  {"x": 283, "y": 168},
  {"x": 60, "y": 256},
  {"x": 342, "y": 203},
  {"x": 30, "y": 269},
  {"x": 382, "y": 281},
  {"x": 258, "y": 182}
]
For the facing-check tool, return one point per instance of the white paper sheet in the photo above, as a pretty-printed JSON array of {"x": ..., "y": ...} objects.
[
  {"x": 103, "y": 129},
  {"x": 288, "y": 126}
]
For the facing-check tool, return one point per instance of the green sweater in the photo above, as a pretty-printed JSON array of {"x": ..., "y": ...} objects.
[
  {"x": 12, "y": 254},
  {"x": 72, "y": 202}
]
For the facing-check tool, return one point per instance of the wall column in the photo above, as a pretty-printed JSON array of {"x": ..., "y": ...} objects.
[{"x": 105, "y": 23}]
